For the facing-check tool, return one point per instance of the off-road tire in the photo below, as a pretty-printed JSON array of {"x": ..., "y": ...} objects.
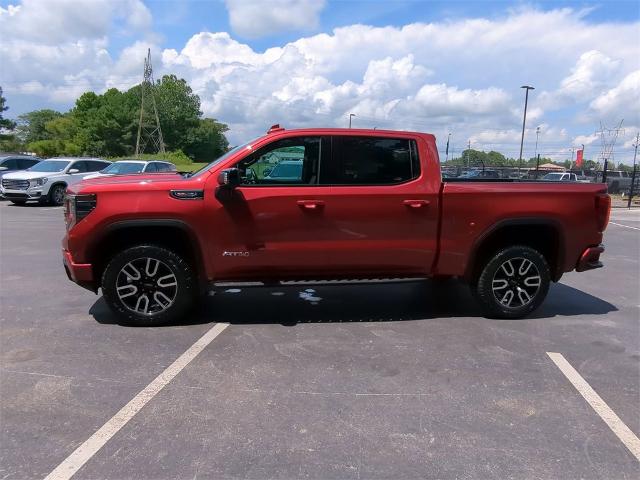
[
  {"x": 489, "y": 288},
  {"x": 186, "y": 285}
]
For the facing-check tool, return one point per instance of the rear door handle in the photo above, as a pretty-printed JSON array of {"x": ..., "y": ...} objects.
[
  {"x": 310, "y": 204},
  {"x": 416, "y": 203}
]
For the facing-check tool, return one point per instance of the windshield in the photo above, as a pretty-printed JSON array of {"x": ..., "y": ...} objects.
[
  {"x": 222, "y": 157},
  {"x": 552, "y": 176},
  {"x": 287, "y": 170},
  {"x": 49, "y": 166},
  {"x": 120, "y": 168}
]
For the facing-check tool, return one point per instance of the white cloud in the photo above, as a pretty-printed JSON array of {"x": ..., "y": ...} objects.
[
  {"x": 55, "y": 21},
  {"x": 258, "y": 18},
  {"x": 622, "y": 101}
]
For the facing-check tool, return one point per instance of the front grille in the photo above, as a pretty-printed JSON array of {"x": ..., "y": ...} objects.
[{"x": 15, "y": 184}]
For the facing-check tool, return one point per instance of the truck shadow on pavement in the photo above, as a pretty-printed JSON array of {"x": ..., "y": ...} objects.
[{"x": 392, "y": 302}]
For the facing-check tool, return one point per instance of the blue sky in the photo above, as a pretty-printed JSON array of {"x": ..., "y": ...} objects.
[{"x": 438, "y": 66}]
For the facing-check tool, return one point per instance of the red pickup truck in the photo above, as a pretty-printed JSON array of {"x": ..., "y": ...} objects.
[{"x": 319, "y": 204}]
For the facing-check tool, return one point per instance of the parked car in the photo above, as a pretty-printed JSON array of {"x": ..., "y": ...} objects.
[
  {"x": 560, "y": 177},
  {"x": 47, "y": 181},
  {"x": 128, "y": 167},
  {"x": 618, "y": 181},
  {"x": 480, "y": 174},
  {"x": 365, "y": 204},
  {"x": 13, "y": 163}
]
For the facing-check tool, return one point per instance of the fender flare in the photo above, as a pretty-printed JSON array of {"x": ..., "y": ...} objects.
[
  {"x": 515, "y": 222},
  {"x": 199, "y": 255}
]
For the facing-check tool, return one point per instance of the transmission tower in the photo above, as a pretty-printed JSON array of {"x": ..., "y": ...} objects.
[
  {"x": 149, "y": 132},
  {"x": 608, "y": 137}
]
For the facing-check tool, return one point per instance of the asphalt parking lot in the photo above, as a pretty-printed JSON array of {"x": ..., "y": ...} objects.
[{"x": 402, "y": 380}]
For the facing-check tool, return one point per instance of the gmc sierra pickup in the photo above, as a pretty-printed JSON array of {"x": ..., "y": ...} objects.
[{"x": 326, "y": 204}]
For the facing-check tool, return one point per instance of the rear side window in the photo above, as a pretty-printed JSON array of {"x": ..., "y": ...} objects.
[
  {"x": 95, "y": 166},
  {"x": 371, "y": 161},
  {"x": 24, "y": 163},
  {"x": 81, "y": 166},
  {"x": 151, "y": 168}
]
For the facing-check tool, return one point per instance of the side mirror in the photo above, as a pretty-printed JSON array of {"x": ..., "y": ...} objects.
[
  {"x": 2, "y": 169},
  {"x": 229, "y": 178},
  {"x": 73, "y": 170}
]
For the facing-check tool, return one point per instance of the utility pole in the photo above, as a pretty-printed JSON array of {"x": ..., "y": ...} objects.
[
  {"x": 149, "y": 132},
  {"x": 633, "y": 174},
  {"x": 573, "y": 149},
  {"x": 351, "y": 115},
  {"x": 524, "y": 121},
  {"x": 447, "y": 150},
  {"x": 537, "y": 135}
]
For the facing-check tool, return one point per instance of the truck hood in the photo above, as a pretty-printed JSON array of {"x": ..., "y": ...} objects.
[
  {"x": 29, "y": 175},
  {"x": 135, "y": 178},
  {"x": 98, "y": 175}
]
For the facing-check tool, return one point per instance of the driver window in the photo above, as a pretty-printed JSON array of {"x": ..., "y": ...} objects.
[{"x": 291, "y": 161}]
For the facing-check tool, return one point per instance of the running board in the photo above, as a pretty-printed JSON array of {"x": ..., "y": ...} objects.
[{"x": 286, "y": 283}]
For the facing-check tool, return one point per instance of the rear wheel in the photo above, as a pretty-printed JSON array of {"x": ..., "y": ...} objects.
[
  {"x": 513, "y": 283},
  {"x": 149, "y": 285},
  {"x": 56, "y": 194}
]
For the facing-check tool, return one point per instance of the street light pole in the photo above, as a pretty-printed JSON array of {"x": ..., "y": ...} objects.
[
  {"x": 447, "y": 153},
  {"x": 633, "y": 174},
  {"x": 351, "y": 115},
  {"x": 537, "y": 135},
  {"x": 524, "y": 120}
]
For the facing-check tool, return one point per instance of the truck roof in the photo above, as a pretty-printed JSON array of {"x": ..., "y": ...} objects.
[{"x": 350, "y": 131}]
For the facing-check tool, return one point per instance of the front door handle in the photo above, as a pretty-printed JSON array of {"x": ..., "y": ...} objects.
[
  {"x": 310, "y": 204},
  {"x": 416, "y": 203}
]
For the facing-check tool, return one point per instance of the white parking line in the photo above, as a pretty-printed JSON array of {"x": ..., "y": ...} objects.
[
  {"x": 618, "y": 427},
  {"x": 93, "y": 444},
  {"x": 625, "y": 226}
]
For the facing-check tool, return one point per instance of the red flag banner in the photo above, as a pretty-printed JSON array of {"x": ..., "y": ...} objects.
[{"x": 579, "y": 158}]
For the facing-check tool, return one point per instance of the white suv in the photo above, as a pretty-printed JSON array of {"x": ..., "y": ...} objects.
[{"x": 47, "y": 181}]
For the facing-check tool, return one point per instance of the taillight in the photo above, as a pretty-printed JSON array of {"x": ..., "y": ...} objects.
[
  {"x": 76, "y": 207},
  {"x": 603, "y": 209}
]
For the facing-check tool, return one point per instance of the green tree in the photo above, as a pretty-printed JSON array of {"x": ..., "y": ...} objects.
[
  {"x": 105, "y": 123},
  {"x": 206, "y": 142},
  {"x": 179, "y": 112},
  {"x": 5, "y": 123},
  {"x": 32, "y": 125},
  {"x": 8, "y": 140}
]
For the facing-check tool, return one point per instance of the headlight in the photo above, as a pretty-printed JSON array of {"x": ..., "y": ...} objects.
[
  {"x": 38, "y": 182},
  {"x": 76, "y": 207}
]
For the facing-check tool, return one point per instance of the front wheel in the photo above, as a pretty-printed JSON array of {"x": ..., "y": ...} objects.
[
  {"x": 513, "y": 283},
  {"x": 56, "y": 195},
  {"x": 149, "y": 285}
]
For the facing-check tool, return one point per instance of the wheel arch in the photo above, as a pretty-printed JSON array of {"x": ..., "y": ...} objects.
[
  {"x": 175, "y": 235},
  {"x": 543, "y": 234}
]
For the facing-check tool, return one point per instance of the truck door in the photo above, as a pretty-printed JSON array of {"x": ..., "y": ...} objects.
[
  {"x": 383, "y": 210},
  {"x": 274, "y": 225}
]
